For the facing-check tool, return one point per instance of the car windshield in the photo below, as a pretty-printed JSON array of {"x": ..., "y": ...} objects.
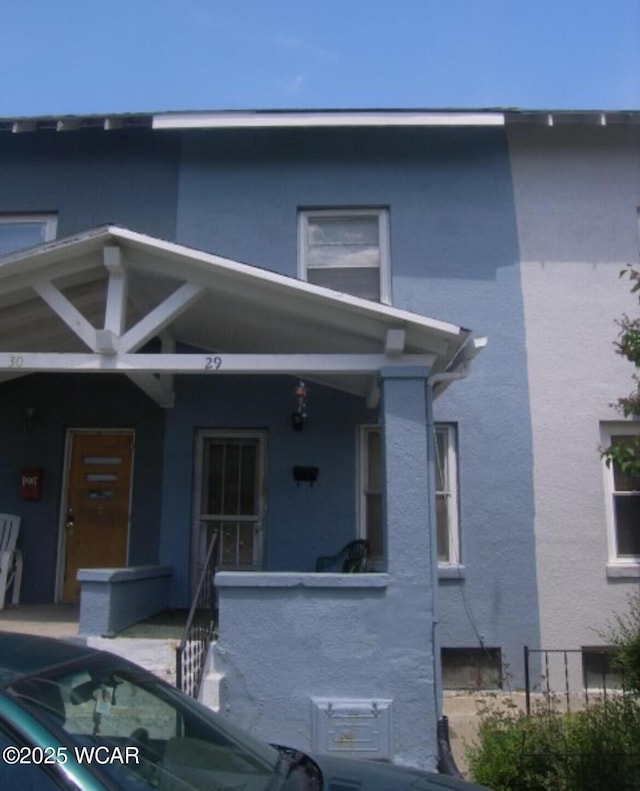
[{"x": 153, "y": 736}]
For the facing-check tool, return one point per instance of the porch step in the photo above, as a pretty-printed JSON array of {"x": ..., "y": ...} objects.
[{"x": 158, "y": 655}]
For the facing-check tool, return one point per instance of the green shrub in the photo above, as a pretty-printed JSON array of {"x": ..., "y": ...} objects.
[
  {"x": 592, "y": 750},
  {"x": 604, "y": 746},
  {"x": 623, "y": 635}
]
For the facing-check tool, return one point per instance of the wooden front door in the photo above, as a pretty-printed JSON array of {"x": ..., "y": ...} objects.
[{"x": 97, "y": 509}]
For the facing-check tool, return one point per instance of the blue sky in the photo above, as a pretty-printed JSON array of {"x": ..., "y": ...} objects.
[{"x": 100, "y": 56}]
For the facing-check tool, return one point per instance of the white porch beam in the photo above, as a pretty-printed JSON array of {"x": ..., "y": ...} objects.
[
  {"x": 158, "y": 388},
  {"x": 211, "y": 364},
  {"x": 65, "y": 310},
  {"x": 160, "y": 317},
  {"x": 116, "y": 304},
  {"x": 395, "y": 341},
  {"x": 154, "y": 388},
  {"x": 168, "y": 346},
  {"x": 373, "y": 395},
  {"x": 106, "y": 342}
]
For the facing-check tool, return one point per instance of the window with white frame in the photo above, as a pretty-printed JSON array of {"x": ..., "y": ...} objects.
[
  {"x": 623, "y": 499},
  {"x": 346, "y": 250},
  {"x": 371, "y": 494},
  {"x": 371, "y": 518},
  {"x": 19, "y": 231},
  {"x": 446, "y": 469}
]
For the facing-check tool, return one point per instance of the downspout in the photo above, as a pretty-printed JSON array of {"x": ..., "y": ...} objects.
[{"x": 465, "y": 354}]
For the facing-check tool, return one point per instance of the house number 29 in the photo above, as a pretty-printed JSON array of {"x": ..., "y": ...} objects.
[{"x": 212, "y": 363}]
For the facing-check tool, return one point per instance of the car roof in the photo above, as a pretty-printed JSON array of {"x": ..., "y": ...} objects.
[{"x": 25, "y": 654}]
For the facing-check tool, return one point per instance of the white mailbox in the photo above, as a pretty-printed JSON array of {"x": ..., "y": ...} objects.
[{"x": 355, "y": 728}]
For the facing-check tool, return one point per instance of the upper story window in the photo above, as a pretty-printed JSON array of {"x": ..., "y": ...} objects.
[
  {"x": 623, "y": 501},
  {"x": 19, "y": 231},
  {"x": 347, "y": 250}
]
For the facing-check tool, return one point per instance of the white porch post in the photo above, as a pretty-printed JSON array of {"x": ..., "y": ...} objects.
[{"x": 411, "y": 547}]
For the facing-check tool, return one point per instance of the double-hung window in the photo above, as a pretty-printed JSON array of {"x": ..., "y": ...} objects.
[
  {"x": 346, "y": 250},
  {"x": 446, "y": 474},
  {"x": 371, "y": 493},
  {"x": 19, "y": 231},
  {"x": 446, "y": 477},
  {"x": 622, "y": 501}
]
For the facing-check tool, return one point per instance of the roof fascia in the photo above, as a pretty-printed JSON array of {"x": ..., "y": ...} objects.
[
  {"x": 551, "y": 118},
  {"x": 364, "y": 118}
]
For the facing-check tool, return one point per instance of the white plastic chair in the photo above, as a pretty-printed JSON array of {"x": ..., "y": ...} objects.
[{"x": 10, "y": 558}]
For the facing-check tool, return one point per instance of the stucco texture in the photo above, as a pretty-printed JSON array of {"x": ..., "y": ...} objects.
[{"x": 576, "y": 196}]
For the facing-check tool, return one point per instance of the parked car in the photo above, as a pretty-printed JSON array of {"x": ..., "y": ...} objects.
[{"x": 75, "y": 718}]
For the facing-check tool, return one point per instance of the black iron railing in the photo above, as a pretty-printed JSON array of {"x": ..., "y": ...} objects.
[
  {"x": 558, "y": 670},
  {"x": 201, "y": 627},
  {"x": 583, "y": 721}
]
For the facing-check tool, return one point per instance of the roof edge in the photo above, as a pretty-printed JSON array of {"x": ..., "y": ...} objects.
[
  {"x": 326, "y": 118},
  {"x": 321, "y": 118}
]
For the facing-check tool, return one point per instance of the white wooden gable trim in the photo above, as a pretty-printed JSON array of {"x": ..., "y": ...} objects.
[{"x": 100, "y": 264}]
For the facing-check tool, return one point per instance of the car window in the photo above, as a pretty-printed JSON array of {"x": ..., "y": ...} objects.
[
  {"x": 20, "y": 769},
  {"x": 139, "y": 731}
]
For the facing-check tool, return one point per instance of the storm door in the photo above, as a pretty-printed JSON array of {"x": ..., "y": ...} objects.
[{"x": 230, "y": 497}]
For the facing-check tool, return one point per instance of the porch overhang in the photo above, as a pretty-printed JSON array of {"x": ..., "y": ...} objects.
[{"x": 111, "y": 300}]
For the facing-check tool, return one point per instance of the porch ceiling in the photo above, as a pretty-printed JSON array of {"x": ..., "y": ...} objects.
[{"x": 91, "y": 301}]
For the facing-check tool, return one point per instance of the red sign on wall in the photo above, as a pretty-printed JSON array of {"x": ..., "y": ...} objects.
[{"x": 31, "y": 483}]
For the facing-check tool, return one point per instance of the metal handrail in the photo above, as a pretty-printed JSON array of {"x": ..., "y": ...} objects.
[
  {"x": 562, "y": 657},
  {"x": 200, "y": 629}
]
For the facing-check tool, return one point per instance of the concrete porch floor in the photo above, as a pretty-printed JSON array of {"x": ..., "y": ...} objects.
[
  {"x": 50, "y": 620},
  {"x": 152, "y": 643},
  {"x": 61, "y": 620}
]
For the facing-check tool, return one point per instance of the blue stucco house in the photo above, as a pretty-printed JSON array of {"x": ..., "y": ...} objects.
[{"x": 296, "y": 329}]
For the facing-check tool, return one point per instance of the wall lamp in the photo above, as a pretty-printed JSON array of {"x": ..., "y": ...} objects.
[{"x": 300, "y": 415}]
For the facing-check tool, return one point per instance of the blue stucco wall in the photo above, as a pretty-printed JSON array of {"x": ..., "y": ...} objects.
[
  {"x": 74, "y": 401},
  {"x": 93, "y": 178},
  {"x": 301, "y": 522},
  {"x": 459, "y": 258},
  {"x": 455, "y": 256}
]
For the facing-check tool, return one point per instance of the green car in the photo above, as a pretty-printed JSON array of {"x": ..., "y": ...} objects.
[{"x": 75, "y": 718}]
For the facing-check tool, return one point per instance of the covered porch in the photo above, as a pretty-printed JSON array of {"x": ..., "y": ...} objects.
[{"x": 201, "y": 368}]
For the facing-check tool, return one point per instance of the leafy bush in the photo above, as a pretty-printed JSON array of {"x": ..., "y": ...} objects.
[
  {"x": 623, "y": 635},
  {"x": 592, "y": 750}
]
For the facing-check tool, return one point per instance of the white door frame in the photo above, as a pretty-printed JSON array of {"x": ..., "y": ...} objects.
[{"x": 197, "y": 542}]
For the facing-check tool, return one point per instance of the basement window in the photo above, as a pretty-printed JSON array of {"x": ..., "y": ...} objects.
[
  {"x": 471, "y": 669},
  {"x": 599, "y": 670}
]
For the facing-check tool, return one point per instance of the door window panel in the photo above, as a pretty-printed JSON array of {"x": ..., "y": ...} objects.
[{"x": 230, "y": 498}]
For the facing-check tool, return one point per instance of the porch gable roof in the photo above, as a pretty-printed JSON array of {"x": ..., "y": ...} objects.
[{"x": 91, "y": 302}]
